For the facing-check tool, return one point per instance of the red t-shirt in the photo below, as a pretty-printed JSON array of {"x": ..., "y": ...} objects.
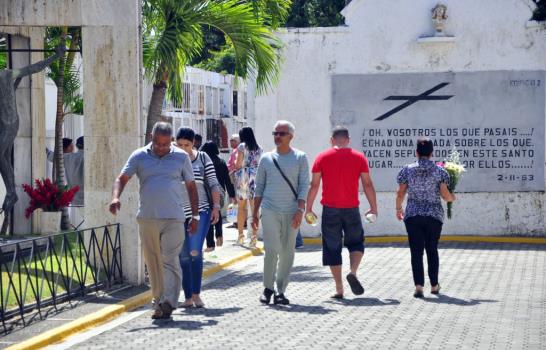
[{"x": 340, "y": 169}]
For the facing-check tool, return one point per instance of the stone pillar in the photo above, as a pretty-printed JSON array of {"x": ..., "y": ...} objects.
[{"x": 111, "y": 86}]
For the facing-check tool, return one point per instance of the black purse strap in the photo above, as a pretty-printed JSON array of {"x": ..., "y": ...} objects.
[{"x": 285, "y": 178}]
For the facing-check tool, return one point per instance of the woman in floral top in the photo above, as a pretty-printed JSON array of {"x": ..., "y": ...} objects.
[
  {"x": 425, "y": 183},
  {"x": 248, "y": 157}
]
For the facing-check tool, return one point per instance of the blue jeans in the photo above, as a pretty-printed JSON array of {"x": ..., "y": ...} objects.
[
  {"x": 192, "y": 266},
  {"x": 299, "y": 240}
]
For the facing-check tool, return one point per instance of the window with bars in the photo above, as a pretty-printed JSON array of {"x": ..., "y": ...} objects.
[
  {"x": 200, "y": 99},
  {"x": 235, "y": 103}
]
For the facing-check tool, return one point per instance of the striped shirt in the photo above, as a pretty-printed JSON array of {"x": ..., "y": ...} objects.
[
  {"x": 273, "y": 188},
  {"x": 205, "y": 176}
]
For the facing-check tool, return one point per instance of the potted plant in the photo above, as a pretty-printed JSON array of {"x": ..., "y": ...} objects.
[{"x": 51, "y": 198}]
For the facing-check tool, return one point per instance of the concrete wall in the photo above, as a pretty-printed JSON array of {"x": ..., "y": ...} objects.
[
  {"x": 382, "y": 37},
  {"x": 112, "y": 98}
]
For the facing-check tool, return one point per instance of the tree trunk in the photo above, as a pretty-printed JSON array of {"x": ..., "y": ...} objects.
[
  {"x": 58, "y": 158},
  {"x": 155, "y": 108}
]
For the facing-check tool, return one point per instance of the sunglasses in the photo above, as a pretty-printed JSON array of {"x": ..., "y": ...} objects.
[{"x": 279, "y": 133}]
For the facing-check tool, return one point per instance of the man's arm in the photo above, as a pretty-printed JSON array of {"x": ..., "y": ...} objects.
[
  {"x": 369, "y": 191},
  {"x": 117, "y": 189},
  {"x": 50, "y": 155},
  {"x": 260, "y": 181},
  {"x": 313, "y": 190}
]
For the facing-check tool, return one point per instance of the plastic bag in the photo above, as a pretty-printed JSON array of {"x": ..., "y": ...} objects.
[{"x": 232, "y": 213}]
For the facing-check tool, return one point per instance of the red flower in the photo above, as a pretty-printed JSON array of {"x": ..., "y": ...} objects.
[{"x": 48, "y": 196}]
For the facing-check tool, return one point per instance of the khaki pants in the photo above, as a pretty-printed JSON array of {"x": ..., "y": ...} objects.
[
  {"x": 279, "y": 244},
  {"x": 161, "y": 243}
]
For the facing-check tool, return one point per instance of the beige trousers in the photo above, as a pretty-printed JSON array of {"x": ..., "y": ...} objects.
[
  {"x": 162, "y": 241},
  {"x": 280, "y": 246}
]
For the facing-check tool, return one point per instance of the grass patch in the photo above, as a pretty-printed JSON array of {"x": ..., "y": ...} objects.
[{"x": 49, "y": 270}]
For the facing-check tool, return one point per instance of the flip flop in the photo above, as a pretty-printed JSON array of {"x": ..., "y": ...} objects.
[
  {"x": 337, "y": 296},
  {"x": 355, "y": 285}
]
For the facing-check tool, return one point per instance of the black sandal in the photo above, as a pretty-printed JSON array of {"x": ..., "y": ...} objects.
[
  {"x": 280, "y": 299},
  {"x": 437, "y": 291},
  {"x": 418, "y": 294},
  {"x": 356, "y": 287},
  {"x": 337, "y": 296},
  {"x": 265, "y": 298}
]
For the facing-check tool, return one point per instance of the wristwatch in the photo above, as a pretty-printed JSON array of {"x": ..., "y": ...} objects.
[
  {"x": 302, "y": 210},
  {"x": 195, "y": 217}
]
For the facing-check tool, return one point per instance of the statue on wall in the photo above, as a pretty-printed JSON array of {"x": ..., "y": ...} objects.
[
  {"x": 439, "y": 17},
  {"x": 9, "y": 126}
]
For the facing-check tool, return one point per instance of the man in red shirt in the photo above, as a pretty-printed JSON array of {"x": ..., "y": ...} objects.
[{"x": 340, "y": 168}]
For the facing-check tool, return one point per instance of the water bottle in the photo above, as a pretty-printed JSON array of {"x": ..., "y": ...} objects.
[
  {"x": 232, "y": 213},
  {"x": 311, "y": 219},
  {"x": 370, "y": 218}
]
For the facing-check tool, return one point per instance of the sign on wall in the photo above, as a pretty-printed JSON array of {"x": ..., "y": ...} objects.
[{"x": 494, "y": 119}]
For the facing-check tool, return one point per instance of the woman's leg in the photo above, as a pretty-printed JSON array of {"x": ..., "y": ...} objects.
[
  {"x": 185, "y": 264},
  {"x": 251, "y": 231},
  {"x": 241, "y": 219},
  {"x": 196, "y": 248},
  {"x": 219, "y": 232},
  {"x": 210, "y": 238},
  {"x": 417, "y": 245},
  {"x": 433, "y": 232}
]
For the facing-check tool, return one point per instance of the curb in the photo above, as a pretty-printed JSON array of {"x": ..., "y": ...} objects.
[
  {"x": 105, "y": 314},
  {"x": 447, "y": 238}
]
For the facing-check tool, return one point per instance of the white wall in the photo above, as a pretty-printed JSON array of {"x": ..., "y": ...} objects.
[{"x": 381, "y": 37}]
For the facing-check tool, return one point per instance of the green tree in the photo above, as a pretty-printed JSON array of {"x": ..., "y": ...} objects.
[
  {"x": 316, "y": 13},
  {"x": 67, "y": 81},
  {"x": 173, "y": 35}
]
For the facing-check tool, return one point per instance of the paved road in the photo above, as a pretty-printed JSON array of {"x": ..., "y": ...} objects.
[{"x": 493, "y": 297}]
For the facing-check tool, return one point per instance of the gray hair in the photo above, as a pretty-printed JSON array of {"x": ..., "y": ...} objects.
[
  {"x": 162, "y": 128},
  {"x": 291, "y": 127}
]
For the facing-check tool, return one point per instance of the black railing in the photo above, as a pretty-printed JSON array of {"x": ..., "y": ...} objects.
[{"x": 40, "y": 273}]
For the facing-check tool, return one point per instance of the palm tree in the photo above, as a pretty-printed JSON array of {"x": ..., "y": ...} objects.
[
  {"x": 67, "y": 81},
  {"x": 173, "y": 34}
]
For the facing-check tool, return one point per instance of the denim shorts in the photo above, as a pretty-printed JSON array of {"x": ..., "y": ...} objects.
[{"x": 340, "y": 227}]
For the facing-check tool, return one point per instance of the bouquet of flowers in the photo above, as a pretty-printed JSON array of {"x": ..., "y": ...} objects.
[
  {"x": 455, "y": 169},
  {"x": 48, "y": 196}
]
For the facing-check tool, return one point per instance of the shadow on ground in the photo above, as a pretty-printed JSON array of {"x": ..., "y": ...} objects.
[{"x": 446, "y": 299}]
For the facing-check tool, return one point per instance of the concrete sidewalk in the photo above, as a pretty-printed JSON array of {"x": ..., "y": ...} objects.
[
  {"x": 493, "y": 297},
  {"x": 105, "y": 304}
]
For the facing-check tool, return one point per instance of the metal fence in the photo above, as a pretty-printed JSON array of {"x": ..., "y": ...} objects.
[{"x": 40, "y": 273}]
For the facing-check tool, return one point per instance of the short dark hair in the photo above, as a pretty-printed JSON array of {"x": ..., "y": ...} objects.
[
  {"x": 186, "y": 134},
  {"x": 66, "y": 142},
  {"x": 340, "y": 131},
  {"x": 198, "y": 137},
  {"x": 211, "y": 149},
  {"x": 79, "y": 142},
  {"x": 424, "y": 147}
]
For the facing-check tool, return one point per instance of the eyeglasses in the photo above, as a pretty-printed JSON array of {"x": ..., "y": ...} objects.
[{"x": 279, "y": 133}]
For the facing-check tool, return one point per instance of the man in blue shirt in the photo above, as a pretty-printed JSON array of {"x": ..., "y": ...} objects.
[{"x": 161, "y": 168}]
